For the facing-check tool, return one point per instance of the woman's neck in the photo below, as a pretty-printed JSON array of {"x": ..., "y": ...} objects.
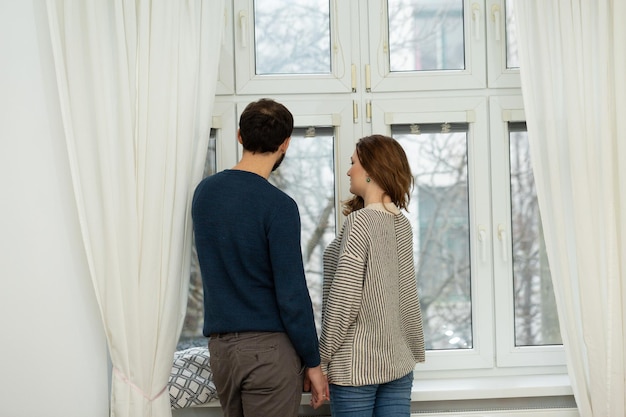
[{"x": 378, "y": 197}]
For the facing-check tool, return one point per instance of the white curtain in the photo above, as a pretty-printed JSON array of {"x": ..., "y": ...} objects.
[
  {"x": 573, "y": 71},
  {"x": 136, "y": 82}
]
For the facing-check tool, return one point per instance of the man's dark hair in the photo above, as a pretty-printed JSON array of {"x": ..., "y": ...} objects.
[{"x": 264, "y": 125}]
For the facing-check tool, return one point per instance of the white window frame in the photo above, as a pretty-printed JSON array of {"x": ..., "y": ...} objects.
[
  {"x": 225, "y": 122},
  {"x": 499, "y": 76},
  {"x": 248, "y": 82},
  {"x": 504, "y": 109},
  {"x": 473, "y": 76},
  {"x": 473, "y": 110},
  {"x": 225, "y": 74},
  {"x": 356, "y": 111}
]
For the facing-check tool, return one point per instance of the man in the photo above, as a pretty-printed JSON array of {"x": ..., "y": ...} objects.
[{"x": 257, "y": 309}]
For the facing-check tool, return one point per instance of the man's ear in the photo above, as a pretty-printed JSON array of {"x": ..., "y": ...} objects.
[
  {"x": 285, "y": 144},
  {"x": 239, "y": 136}
]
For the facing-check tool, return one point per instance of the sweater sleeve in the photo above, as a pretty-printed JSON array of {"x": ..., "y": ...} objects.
[
  {"x": 292, "y": 294},
  {"x": 344, "y": 291}
]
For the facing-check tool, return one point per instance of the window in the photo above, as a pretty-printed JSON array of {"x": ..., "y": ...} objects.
[
  {"x": 502, "y": 53},
  {"x": 283, "y": 46},
  {"x": 308, "y": 176},
  {"x": 426, "y": 35},
  {"x": 525, "y": 312},
  {"x": 281, "y": 50},
  {"x": 536, "y": 321},
  {"x": 444, "y": 139},
  {"x": 442, "y": 78},
  {"x": 425, "y": 45},
  {"x": 512, "y": 59},
  {"x": 194, "y": 319},
  {"x": 439, "y": 214}
]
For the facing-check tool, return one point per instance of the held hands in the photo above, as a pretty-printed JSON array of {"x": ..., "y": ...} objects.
[{"x": 316, "y": 382}]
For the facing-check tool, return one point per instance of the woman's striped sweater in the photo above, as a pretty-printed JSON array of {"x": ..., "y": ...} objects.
[{"x": 371, "y": 319}]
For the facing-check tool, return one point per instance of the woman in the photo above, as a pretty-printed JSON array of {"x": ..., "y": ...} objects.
[{"x": 371, "y": 321}]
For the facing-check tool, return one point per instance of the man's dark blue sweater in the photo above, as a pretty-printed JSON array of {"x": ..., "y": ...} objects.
[{"x": 247, "y": 233}]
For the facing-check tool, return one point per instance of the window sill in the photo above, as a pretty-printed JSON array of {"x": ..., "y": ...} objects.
[
  {"x": 491, "y": 387},
  {"x": 479, "y": 388}
]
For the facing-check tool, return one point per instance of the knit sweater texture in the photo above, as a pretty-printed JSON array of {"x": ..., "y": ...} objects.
[
  {"x": 372, "y": 325},
  {"x": 247, "y": 234}
]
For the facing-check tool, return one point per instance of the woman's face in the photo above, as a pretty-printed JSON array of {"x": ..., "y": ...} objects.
[{"x": 357, "y": 176}]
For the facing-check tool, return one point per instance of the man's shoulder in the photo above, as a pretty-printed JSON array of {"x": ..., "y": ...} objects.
[
  {"x": 211, "y": 179},
  {"x": 281, "y": 203},
  {"x": 232, "y": 179}
]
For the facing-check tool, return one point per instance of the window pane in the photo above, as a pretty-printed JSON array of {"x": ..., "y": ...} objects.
[
  {"x": 536, "y": 321},
  {"x": 308, "y": 176},
  {"x": 439, "y": 214},
  {"x": 292, "y": 36},
  {"x": 512, "y": 58},
  {"x": 426, "y": 35},
  {"x": 194, "y": 319}
]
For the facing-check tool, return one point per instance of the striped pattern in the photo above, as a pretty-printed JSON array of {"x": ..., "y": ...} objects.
[{"x": 372, "y": 324}]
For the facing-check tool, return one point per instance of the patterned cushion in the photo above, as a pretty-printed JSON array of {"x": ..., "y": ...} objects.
[{"x": 191, "y": 380}]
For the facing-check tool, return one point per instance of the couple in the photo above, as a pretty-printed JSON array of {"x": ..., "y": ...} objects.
[{"x": 258, "y": 315}]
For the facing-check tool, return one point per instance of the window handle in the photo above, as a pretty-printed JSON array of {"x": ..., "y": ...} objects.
[
  {"x": 476, "y": 18},
  {"x": 482, "y": 238},
  {"x": 243, "y": 27},
  {"x": 502, "y": 239},
  {"x": 495, "y": 15}
]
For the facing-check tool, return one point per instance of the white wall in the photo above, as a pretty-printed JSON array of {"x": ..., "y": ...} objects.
[{"x": 53, "y": 356}]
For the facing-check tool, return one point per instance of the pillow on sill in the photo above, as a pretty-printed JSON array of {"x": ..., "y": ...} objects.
[{"x": 191, "y": 380}]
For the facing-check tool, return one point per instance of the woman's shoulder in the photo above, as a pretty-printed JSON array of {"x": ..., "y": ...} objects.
[
  {"x": 372, "y": 214},
  {"x": 360, "y": 221}
]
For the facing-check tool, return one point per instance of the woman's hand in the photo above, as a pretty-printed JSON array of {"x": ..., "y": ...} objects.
[{"x": 316, "y": 382}]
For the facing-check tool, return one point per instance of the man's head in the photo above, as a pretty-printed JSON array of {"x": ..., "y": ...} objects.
[{"x": 264, "y": 125}]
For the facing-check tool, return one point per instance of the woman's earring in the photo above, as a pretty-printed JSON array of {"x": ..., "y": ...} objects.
[{"x": 367, "y": 179}]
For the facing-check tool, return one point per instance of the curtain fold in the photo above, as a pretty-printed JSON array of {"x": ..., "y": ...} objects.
[
  {"x": 572, "y": 65},
  {"x": 136, "y": 82}
]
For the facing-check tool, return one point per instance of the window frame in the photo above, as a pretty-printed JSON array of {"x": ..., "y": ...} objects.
[
  {"x": 225, "y": 71},
  {"x": 474, "y": 96},
  {"x": 339, "y": 80},
  {"x": 499, "y": 76},
  {"x": 505, "y": 109},
  {"x": 473, "y": 76},
  {"x": 472, "y": 110},
  {"x": 225, "y": 122}
]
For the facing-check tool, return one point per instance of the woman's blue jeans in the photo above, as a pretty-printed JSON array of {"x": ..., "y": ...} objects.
[{"x": 392, "y": 399}]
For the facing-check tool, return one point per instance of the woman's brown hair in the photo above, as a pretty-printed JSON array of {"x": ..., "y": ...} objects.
[{"x": 385, "y": 161}]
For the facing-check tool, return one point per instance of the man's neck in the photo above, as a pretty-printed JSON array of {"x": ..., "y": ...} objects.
[{"x": 260, "y": 164}]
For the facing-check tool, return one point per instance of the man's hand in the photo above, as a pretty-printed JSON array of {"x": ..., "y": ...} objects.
[{"x": 316, "y": 382}]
